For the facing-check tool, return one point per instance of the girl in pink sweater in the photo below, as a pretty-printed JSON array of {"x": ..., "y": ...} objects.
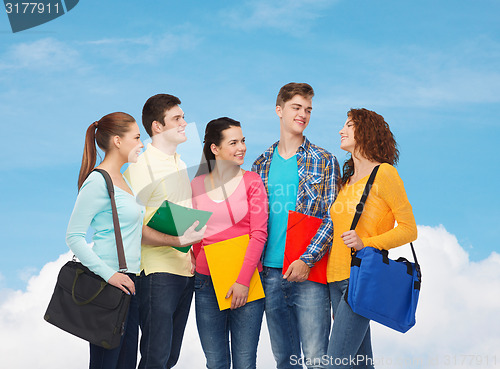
[{"x": 238, "y": 201}]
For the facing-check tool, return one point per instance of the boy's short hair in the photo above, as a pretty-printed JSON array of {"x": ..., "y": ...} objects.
[
  {"x": 288, "y": 91},
  {"x": 155, "y": 108}
]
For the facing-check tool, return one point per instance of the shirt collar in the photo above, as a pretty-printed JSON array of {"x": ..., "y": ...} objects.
[
  {"x": 160, "y": 155},
  {"x": 305, "y": 146}
]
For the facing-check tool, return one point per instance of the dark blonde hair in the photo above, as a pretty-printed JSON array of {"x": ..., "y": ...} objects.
[
  {"x": 100, "y": 132},
  {"x": 288, "y": 91},
  {"x": 374, "y": 140}
]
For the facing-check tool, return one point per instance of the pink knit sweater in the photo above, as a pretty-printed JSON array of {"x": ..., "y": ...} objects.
[{"x": 243, "y": 212}]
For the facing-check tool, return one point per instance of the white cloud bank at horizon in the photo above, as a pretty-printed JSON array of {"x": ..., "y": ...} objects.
[{"x": 457, "y": 318}]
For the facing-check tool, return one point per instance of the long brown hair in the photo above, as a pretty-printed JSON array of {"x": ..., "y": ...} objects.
[
  {"x": 374, "y": 140},
  {"x": 101, "y": 132},
  {"x": 213, "y": 135}
]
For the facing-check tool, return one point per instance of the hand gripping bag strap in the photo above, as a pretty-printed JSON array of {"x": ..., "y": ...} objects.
[{"x": 116, "y": 224}]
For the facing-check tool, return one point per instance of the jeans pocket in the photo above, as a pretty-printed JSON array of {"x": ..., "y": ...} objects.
[{"x": 201, "y": 282}]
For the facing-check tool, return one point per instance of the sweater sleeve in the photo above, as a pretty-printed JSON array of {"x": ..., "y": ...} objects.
[
  {"x": 92, "y": 198},
  {"x": 391, "y": 190},
  {"x": 257, "y": 208}
]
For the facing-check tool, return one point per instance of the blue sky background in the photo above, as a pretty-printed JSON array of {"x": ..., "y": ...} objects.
[{"x": 430, "y": 68}]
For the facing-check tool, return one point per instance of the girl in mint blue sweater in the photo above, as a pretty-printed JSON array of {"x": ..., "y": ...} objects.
[{"x": 117, "y": 134}]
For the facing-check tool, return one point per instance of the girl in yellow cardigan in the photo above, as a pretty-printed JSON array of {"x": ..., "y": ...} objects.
[{"x": 368, "y": 138}]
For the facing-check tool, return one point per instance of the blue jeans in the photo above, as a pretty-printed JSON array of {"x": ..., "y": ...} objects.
[
  {"x": 164, "y": 303},
  {"x": 214, "y": 326},
  {"x": 350, "y": 343},
  {"x": 125, "y": 355},
  {"x": 297, "y": 314}
]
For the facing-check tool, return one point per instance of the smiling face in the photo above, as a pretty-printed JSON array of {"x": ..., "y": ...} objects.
[
  {"x": 232, "y": 147},
  {"x": 174, "y": 128},
  {"x": 295, "y": 114},
  {"x": 130, "y": 143},
  {"x": 347, "y": 141}
]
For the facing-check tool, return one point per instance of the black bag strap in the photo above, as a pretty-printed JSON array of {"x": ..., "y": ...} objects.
[
  {"x": 359, "y": 210},
  {"x": 361, "y": 205},
  {"x": 116, "y": 224}
]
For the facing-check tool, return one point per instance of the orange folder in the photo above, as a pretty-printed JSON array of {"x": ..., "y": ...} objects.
[
  {"x": 225, "y": 260},
  {"x": 301, "y": 229}
]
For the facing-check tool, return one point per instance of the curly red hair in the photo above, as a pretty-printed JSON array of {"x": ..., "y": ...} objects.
[{"x": 374, "y": 140}]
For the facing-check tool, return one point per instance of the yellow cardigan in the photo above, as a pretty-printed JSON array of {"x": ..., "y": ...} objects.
[{"x": 386, "y": 203}]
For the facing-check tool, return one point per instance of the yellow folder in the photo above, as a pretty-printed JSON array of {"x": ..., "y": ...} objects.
[{"x": 225, "y": 260}]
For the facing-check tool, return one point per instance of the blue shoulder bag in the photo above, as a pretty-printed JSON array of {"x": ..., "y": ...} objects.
[{"x": 382, "y": 289}]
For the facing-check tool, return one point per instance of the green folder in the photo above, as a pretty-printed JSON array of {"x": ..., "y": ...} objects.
[{"x": 174, "y": 220}]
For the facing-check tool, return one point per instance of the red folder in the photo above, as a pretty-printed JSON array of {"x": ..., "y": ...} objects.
[{"x": 301, "y": 229}]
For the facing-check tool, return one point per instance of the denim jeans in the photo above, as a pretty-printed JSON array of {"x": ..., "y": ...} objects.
[
  {"x": 125, "y": 355},
  {"x": 297, "y": 314},
  {"x": 214, "y": 326},
  {"x": 350, "y": 343},
  {"x": 164, "y": 303}
]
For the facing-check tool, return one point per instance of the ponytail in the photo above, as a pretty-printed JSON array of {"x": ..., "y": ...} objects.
[{"x": 89, "y": 154}]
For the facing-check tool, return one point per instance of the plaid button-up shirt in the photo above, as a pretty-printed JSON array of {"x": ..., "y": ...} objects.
[{"x": 319, "y": 174}]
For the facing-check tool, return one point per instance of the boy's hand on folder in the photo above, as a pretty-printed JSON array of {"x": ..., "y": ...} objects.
[
  {"x": 240, "y": 295},
  {"x": 298, "y": 271},
  {"x": 191, "y": 235}
]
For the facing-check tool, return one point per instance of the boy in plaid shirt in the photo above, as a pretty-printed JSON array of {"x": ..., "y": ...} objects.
[{"x": 303, "y": 177}]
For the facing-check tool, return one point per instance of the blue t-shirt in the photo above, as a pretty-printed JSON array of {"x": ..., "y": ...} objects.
[{"x": 283, "y": 183}]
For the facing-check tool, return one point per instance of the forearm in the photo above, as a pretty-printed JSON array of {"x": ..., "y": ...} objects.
[
  {"x": 152, "y": 237},
  {"x": 258, "y": 205},
  {"x": 252, "y": 257},
  {"x": 87, "y": 256},
  {"x": 403, "y": 233}
]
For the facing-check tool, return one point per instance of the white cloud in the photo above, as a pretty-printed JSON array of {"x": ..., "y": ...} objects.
[
  {"x": 457, "y": 318},
  {"x": 26, "y": 273},
  {"x": 293, "y": 16},
  {"x": 26, "y": 340},
  {"x": 48, "y": 54},
  {"x": 42, "y": 55},
  {"x": 146, "y": 49}
]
